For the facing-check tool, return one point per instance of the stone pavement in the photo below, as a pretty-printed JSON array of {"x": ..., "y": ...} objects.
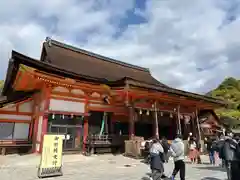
[{"x": 106, "y": 167}]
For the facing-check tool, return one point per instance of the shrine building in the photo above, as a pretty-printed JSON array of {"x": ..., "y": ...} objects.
[{"x": 78, "y": 93}]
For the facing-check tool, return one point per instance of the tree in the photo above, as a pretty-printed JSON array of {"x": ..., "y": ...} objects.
[{"x": 228, "y": 90}]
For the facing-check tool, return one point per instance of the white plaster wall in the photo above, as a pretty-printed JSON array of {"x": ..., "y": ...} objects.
[
  {"x": 66, "y": 106},
  {"x": 99, "y": 105},
  {"x": 60, "y": 89},
  {"x": 77, "y": 91},
  {"x": 26, "y": 107},
  {"x": 15, "y": 117}
]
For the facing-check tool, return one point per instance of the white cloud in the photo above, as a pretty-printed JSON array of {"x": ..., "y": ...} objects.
[{"x": 188, "y": 45}]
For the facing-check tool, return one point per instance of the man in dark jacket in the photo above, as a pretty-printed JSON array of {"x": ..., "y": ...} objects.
[
  {"x": 229, "y": 153},
  {"x": 218, "y": 148}
]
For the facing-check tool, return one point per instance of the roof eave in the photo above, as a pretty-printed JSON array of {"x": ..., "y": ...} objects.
[
  {"x": 183, "y": 93},
  {"x": 9, "y": 76}
]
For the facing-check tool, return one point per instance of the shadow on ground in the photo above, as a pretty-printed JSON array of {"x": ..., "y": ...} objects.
[
  {"x": 145, "y": 178},
  {"x": 212, "y": 168},
  {"x": 203, "y": 163}
]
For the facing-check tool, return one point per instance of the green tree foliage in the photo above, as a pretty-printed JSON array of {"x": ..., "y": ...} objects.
[
  {"x": 228, "y": 90},
  {"x": 1, "y": 83}
]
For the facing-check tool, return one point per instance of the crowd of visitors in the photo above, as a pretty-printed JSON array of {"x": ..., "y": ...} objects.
[
  {"x": 159, "y": 154},
  {"x": 224, "y": 148}
]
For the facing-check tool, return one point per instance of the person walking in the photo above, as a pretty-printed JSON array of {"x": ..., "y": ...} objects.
[
  {"x": 177, "y": 151},
  {"x": 166, "y": 147},
  {"x": 156, "y": 160},
  {"x": 210, "y": 150},
  {"x": 229, "y": 153},
  {"x": 218, "y": 147}
]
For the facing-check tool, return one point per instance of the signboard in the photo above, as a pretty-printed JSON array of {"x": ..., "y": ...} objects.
[{"x": 51, "y": 159}]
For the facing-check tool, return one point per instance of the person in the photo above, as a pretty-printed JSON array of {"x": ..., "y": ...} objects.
[
  {"x": 229, "y": 151},
  {"x": 177, "y": 151},
  {"x": 198, "y": 150},
  {"x": 210, "y": 150},
  {"x": 218, "y": 147},
  {"x": 192, "y": 151},
  {"x": 166, "y": 148},
  {"x": 156, "y": 159}
]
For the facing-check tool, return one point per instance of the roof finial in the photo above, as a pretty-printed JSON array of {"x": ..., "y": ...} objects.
[{"x": 48, "y": 40}]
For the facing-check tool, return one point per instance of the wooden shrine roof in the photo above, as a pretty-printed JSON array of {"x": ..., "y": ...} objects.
[
  {"x": 86, "y": 68},
  {"x": 14, "y": 98},
  {"x": 18, "y": 58},
  {"x": 174, "y": 91},
  {"x": 90, "y": 64}
]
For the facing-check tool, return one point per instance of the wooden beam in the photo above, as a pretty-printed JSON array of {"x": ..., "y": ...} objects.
[
  {"x": 131, "y": 121},
  {"x": 198, "y": 127},
  {"x": 137, "y": 94},
  {"x": 179, "y": 121},
  {"x": 156, "y": 120}
]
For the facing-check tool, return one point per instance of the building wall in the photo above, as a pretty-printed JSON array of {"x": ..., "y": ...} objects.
[{"x": 16, "y": 120}]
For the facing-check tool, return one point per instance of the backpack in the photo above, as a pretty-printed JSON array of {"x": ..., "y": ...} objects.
[{"x": 165, "y": 146}]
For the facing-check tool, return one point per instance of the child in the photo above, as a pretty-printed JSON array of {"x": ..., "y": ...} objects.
[{"x": 192, "y": 151}]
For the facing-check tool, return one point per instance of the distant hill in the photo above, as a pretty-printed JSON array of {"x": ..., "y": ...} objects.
[{"x": 228, "y": 90}]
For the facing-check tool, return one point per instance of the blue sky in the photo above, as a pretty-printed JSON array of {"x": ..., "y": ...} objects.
[{"x": 190, "y": 45}]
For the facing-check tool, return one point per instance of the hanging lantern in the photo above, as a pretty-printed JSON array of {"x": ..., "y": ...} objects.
[
  {"x": 147, "y": 113},
  {"x": 161, "y": 113},
  {"x": 140, "y": 112},
  {"x": 71, "y": 115},
  {"x": 63, "y": 116},
  {"x": 171, "y": 116},
  {"x": 53, "y": 116}
]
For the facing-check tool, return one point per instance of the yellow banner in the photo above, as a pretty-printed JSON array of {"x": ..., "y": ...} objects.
[{"x": 51, "y": 159}]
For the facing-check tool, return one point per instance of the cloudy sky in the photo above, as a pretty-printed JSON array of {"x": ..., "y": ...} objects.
[{"x": 191, "y": 45}]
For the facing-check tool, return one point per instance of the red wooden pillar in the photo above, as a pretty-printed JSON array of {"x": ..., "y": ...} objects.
[
  {"x": 85, "y": 132},
  {"x": 193, "y": 125},
  {"x": 156, "y": 130},
  {"x": 46, "y": 95},
  {"x": 85, "y": 125},
  {"x": 131, "y": 122}
]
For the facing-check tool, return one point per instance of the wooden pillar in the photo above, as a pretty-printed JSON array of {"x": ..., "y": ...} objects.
[
  {"x": 131, "y": 122},
  {"x": 179, "y": 121},
  {"x": 85, "y": 124},
  {"x": 198, "y": 127},
  {"x": 156, "y": 131},
  {"x": 46, "y": 95},
  {"x": 111, "y": 126},
  {"x": 193, "y": 125},
  {"x": 85, "y": 132},
  {"x": 106, "y": 116}
]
